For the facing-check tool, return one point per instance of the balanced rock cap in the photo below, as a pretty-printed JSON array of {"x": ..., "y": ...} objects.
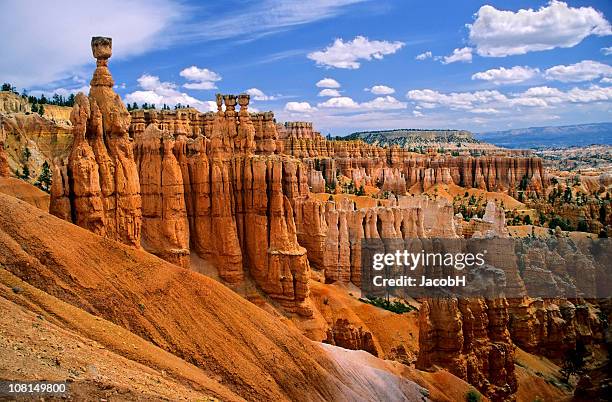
[{"x": 102, "y": 47}]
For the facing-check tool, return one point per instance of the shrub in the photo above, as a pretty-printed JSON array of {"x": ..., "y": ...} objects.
[
  {"x": 397, "y": 306},
  {"x": 472, "y": 396}
]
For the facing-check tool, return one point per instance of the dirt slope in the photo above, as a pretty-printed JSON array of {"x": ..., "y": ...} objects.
[
  {"x": 35, "y": 345},
  {"x": 236, "y": 344},
  {"x": 24, "y": 191}
]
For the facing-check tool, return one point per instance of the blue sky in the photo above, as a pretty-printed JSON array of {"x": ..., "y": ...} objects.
[{"x": 346, "y": 65}]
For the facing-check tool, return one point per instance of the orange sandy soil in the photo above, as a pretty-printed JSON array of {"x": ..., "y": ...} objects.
[
  {"x": 538, "y": 378},
  {"x": 526, "y": 230},
  {"x": 362, "y": 201},
  {"x": 24, "y": 191},
  {"x": 128, "y": 307},
  {"x": 122, "y": 324},
  {"x": 37, "y": 343},
  {"x": 389, "y": 330},
  {"x": 449, "y": 191}
]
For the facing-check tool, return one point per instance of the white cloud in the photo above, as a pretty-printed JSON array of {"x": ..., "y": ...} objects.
[
  {"x": 488, "y": 110},
  {"x": 381, "y": 90},
  {"x": 429, "y": 99},
  {"x": 500, "y": 33},
  {"x": 606, "y": 80},
  {"x": 384, "y": 103},
  {"x": 202, "y": 78},
  {"x": 329, "y": 92},
  {"x": 55, "y": 41},
  {"x": 483, "y": 101},
  {"x": 586, "y": 70},
  {"x": 342, "y": 54},
  {"x": 258, "y": 94},
  {"x": 299, "y": 107},
  {"x": 379, "y": 103},
  {"x": 463, "y": 55},
  {"x": 607, "y": 50},
  {"x": 252, "y": 20},
  {"x": 424, "y": 55},
  {"x": 328, "y": 83},
  {"x": 342, "y": 102},
  {"x": 503, "y": 75},
  {"x": 416, "y": 113},
  {"x": 157, "y": 92}
]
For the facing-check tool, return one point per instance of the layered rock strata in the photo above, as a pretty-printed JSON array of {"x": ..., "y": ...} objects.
[
  {"x": 469, "y": 337},
  {"x": 229, "y": 198},
  {"x": 390, "y": 168},
  {"x": 345, "y": 335}
]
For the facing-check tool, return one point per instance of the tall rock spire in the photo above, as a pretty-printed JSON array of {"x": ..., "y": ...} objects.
[{"x": 101, "y": 176}]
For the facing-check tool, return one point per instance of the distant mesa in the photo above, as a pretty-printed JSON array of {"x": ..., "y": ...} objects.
[
  {"x": 551, "y": 136},
  {"x": 411, "y": 137}
]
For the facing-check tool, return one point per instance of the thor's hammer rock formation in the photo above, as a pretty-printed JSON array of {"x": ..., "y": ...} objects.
[{"x": 97, "y": 187}]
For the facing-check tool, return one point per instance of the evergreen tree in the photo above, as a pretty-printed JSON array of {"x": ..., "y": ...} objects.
[
  {"x": 26, "y": 173},
  {"x": 6, "y": 86},
  {"x": 41, "y": 110},
  {"x": 44, "y": 179}
]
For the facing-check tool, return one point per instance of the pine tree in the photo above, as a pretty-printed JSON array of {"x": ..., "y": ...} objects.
[
  {"x": 41, "y": 110},
  {"x": 26, "y": 173},
  {"x": 44, "y": 179}
]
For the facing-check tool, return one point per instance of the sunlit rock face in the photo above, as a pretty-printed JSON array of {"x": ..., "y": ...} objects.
[{"x": 99, "y": 187}]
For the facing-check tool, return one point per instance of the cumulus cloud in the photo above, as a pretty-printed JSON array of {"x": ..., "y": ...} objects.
[
  {"x": 154, "y": 91},
  {"x": 500, "y": 33},
  {"x": 424, "y": 56},
  {"x": 463, "y": 55},
  {"x": 586, "y": 70},
  {"x": 329, "y": 92},
  {"x": 342, "y": 102},
  {"x": 607, "y": 50},
  {"x": 380, "y": 90},
  {"x": 328, "y": 83},
  {"x": 383, "y": 103},
  {"x": 481, "y": 101},
  {"x": 342, "y": 54},
  {"x": 258, "y": 94},
  {"x": 54, "y": 43},
  {"x": 202, "y": 78},
  {"x": 503, "y": 75},
  {"x": 299, "y": 107},
  {"x": 379, "y": 103}
]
